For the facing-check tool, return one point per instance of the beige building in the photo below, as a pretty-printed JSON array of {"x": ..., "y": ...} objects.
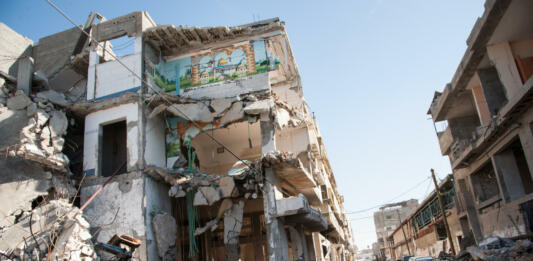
[
  {"x": 423, "y": 232},
  {"x": 386, "y": 220},
  {"x": 488, "y": 113},
  {"x": 176, "y": 144}
]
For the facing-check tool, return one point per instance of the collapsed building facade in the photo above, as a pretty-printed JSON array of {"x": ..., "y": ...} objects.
[
  {"x": 423, "y": 232},
  {"x": 389, "y": 217},
  {"x": 199, "y": 144},
  {"x": 488, "y": 115}
]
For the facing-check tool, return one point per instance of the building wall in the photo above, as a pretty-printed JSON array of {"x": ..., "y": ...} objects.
[
  {"x": 93, "y": 126},
  {"x": 118, "y": 208}
]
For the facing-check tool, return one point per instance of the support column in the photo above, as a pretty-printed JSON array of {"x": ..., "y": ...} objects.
[
  {"x": 25, "y": 74},
  {"x": 232, "y": 230},
  {"x": 91, "y": 75},
  {"x": 277, "y": 245},
  {"x": 471, "y": 211}
]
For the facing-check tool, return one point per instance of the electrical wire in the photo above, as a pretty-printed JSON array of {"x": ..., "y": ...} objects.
[
  {"x": 380, "y": 205},
  {"x": 156, "y": 91}
]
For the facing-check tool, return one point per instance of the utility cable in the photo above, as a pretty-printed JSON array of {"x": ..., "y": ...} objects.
[
  {"x": 380, "y": 205},
  {"x": 157, "y": 92}
]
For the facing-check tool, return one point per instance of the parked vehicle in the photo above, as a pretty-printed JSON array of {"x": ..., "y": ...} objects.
[{"x": 421, "y": 258}]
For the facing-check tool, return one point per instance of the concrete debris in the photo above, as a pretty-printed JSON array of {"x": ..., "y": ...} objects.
[
  {"x": 220, "y": 105},
  {"x": 58, "y": 123},
  {"x": 195, "y": 111},
  {"x": 19, "y": 101},
  {"x": 199, "y": 199},
  {"x": 31, "y": 109},
  {"x": 31, "y": 238},
  {"x": 54, "y": 97},
  {"x": 259, "y": 107},
  {"x": 41, "y": 140},
  {"x": 226, "y": 186},
  {"x": 496, "y": 249},
  {"x": 165, "y": 231},
  {"x": 282, "y": 118},
  {"x": 232, "y": 229},
  {"x": 210, "y": 225},
  {"x": 235, "y": 113},
  {"x": 177, "y": 192},
  {"x": 210, "y": 194},
  {"x": 157, "y": 110}
]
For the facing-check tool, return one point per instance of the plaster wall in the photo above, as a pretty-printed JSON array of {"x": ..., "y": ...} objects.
[
  {"x": 156, "y": 200},
  {"x": 502, "y": 57},
  {"x": 113, "y": 79},
  {"x": 293, "y": 140},
  {"x": 12, "y": 45},
  {"x": 93, "y": 131},
  {"x": 523, "y": 48},
  {"x": 122, "y": 197},
  {"x": 154, "y": 149}
]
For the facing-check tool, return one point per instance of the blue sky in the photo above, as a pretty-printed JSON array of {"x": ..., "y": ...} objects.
[{"x": 368, "y": 68}]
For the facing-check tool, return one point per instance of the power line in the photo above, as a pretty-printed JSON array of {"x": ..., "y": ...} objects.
[
  {"x": 376, "y": 206},
  {"x": 157, "y": 92}
]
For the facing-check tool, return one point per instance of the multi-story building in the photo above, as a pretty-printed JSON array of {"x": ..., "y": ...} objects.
[
  {"x": 386, "y": 220},
  {"x": 487, "y": 111},
  {"x": 423, "y": 233},
  {"x": 198, "y": 143}
]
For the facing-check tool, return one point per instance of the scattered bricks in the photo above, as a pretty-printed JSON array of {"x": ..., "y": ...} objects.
[{"x": 19, "y": 101}]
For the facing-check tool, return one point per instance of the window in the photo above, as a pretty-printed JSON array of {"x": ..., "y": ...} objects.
[
  {"x": 484, "y": 183},
  {"x": 388, "y": 217},
  {"x": 113, "y": 149},
  {"x": 512, "y": 168}
]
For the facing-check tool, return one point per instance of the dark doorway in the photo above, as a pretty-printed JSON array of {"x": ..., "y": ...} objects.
[{"x": 113, "y": 148}]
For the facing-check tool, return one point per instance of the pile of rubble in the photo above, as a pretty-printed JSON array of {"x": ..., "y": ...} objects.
[
  {"x": 500, "y": 249},
  {"x": 55, "y": 230},
  {"x": 42, "y": 138}
]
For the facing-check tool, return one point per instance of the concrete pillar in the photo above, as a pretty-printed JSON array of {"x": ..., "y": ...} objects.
[
  {"x": 502, "y": 57},
  {"x": 277, "y": 245},
  {"x": 471, "y": 211},
  {"x": 91, "y": 75},
  {"x": 25, "y": 74},
  {"x": 250, "y": 58},
  {"x": 195, "y": 71}
]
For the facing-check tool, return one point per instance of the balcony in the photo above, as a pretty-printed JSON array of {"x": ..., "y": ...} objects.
[{"x": 445, "y": 140}]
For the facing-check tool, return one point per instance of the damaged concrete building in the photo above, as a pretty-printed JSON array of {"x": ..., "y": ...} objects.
[
  {"x": 423, "y": 232},
  {"x": 386, "y": 220},
  {"x": 485, "y": 119},
  {"x": 198, "y": 144}
]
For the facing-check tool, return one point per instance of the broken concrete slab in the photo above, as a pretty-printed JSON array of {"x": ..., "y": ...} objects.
[
  {"x": 235, "y": 113},
  {"x": 58, "y": 123},
  {"x": 19, "y": 101},
  {"x": 41, "y": 118},
  {"x": 193, "y": 111},
  {"x": 157, "y": 110},
  {"x": 220, "y": 105},
  {"x": 226, "y": 186},
  {"x": 232, "y": 229},
  {"x": 210, "y": 194},
  {"x": 282, "y": 118},
  {"x": 259, "y": 107},
  {"x": 54, "y": 97},
  {"x": 199, "y": 199},
  {"x": 31, "y": 109},
  {"x": 165, "y": 230}
]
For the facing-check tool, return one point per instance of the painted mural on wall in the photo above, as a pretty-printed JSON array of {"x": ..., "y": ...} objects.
[{"x": 224, "y": 64}]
